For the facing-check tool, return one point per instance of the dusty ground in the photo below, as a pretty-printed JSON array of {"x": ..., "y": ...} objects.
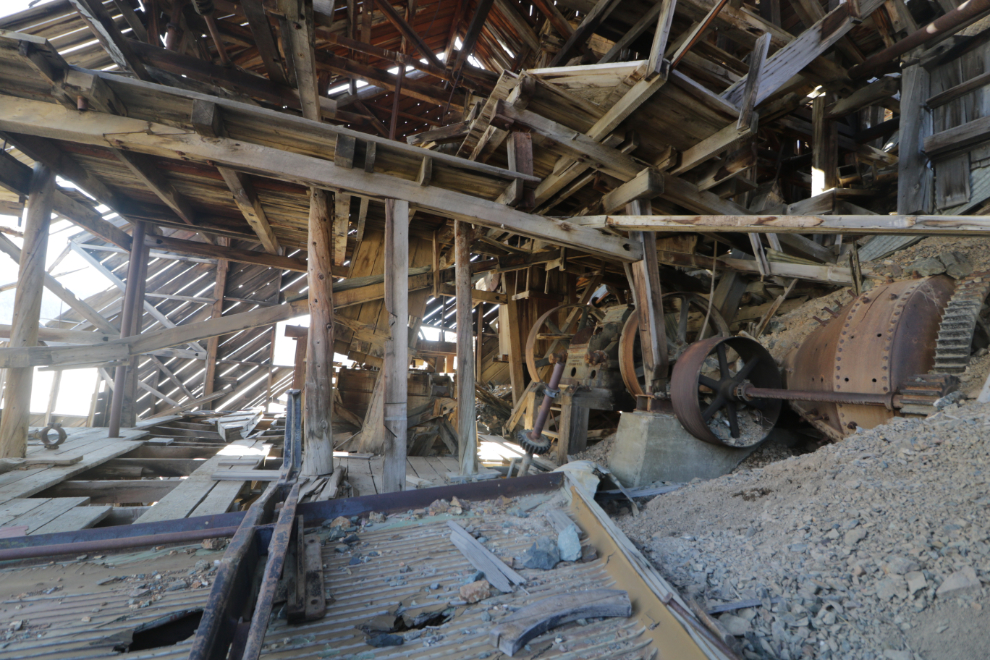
[{"x": 864, "y": 549}]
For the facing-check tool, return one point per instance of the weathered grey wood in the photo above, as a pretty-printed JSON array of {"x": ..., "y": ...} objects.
[
  {"x": 116, "y": 491},
  {"x": 318, "y": 436},
  {"x": 645, "y": 185},
  {"x": 47, "y": 512},
  {"x": 183, "y": 500},
  {"x": 516, "y": 630},
  {"x": 467, "y": 435},
  {"x": 247, "y": 475},
  {"x": 35, "y": 118},
  {"x": 78, "y": 517},
  {"x": 949, "y": 225},
  {"x": 396, "y": 366},
  {"x": 498, "y": 574},
  {"x": 27, "y": 311}
]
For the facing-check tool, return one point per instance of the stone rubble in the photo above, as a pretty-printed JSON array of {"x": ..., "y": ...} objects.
[{"x": 852, "y": 549}]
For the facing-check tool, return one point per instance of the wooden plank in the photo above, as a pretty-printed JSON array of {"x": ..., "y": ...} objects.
[
  {"x": 116, "y": 491},
  {"x": 39, "y": 480},
  {"x": 950, "y": 225},
  {"x": 14, "y": 508},
  {"x": 247, "y": 475},
  {"x": 79, "y": 517},
  {"x": 426, "y": 470},
  {"x": 47, "y": 512},
  {"x": 359, "y": 476},
  {"x": 496, "y": 572},
  {"x": 187, "y": 496}
]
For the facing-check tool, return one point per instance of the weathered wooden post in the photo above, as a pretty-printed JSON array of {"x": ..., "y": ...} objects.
[
  {"x": 318, "y": 398},
  {"x": 467, "y": 429},
  {"x": 132, "y": 305},
  {"x": 395, "y": 370},
  {"x": 27, "y": 310}
]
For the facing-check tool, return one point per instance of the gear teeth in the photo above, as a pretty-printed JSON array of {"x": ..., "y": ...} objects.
[{"x": 959, "y": 319}]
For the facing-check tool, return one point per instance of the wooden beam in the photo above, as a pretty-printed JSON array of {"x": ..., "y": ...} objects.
[
  {"x": 475, "y": 27},
  {"x": 467, "y": 430},
  {"x": 695, "y": 33},
  {"x": 611, "y": 160},
  {"x": 802, "y": 51},
  {"x": 207, "y": 120},
  {"x": 406, "y": 30},
  {"x": 153, "y": 178},
  {"x": 638, "y": 28},
  {"x": 395, "y": 370},
  {"x": 213, "y": 343},
  {"x": 299, "y": 44},
  {"x": 583, "y": 32},
  {"x": 341, "y": 223},
  {"x": 898, "y": 225},
  {"x": 27, "y": 311},
  {"x": 198, "y": 249},
  {"x": 48, "y": 120},
  {"x": 416, "y": 89},
  {"x": 915, "y": 189},
  {"x": 757, "y": 59},
  {"x": 318, "y": 433},
  {"x": 645, "y": 185},
  {"x": 130, "y": 325},
  {"x": 264, "y": 41},
  {"x": 876, "y": 91},
  {"x": 118, "y": 47},
  {"x": 83, "y": 308}
]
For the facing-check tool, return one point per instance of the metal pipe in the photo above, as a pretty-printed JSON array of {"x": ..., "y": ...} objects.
[
  {"x": 126, "y": 322},
  {"x": 31, "y": 552},
  {"x": 942, "y": 26},
  {"x": 551, "y": 394},
  {"x": 747, "y": 392}
]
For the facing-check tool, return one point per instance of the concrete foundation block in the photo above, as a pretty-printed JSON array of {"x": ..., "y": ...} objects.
[{"x": 651, "y": 447}]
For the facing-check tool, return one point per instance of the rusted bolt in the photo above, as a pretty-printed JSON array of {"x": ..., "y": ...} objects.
[
  {"x": 852, "y": 426},
  {"x": 81, "y": 104}
]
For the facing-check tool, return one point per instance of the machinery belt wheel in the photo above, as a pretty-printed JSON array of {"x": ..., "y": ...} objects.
[
  {"x": 959, "y": 323},
  {"x": 678, "y": 340},
  {"x": 704, "y": 384},
  {"x": 559, "y": 337}
]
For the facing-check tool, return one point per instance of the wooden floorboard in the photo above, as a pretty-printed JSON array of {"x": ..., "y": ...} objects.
[
  {"x": 92, "y": 445},
  {"x": 187, "y": 497},
  {"x": 78, "y": 517},
  {"x": 359, "y": 476},
  {"x": 47, "y": 512}
]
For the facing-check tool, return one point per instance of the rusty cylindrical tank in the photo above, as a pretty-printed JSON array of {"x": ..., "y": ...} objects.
[{"x": 874, "y": 344}]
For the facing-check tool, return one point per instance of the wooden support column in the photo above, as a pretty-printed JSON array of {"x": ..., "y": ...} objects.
[
  {"x": 395, "y": 369},
  {"x": 128, "y": 412},
  {"x": 213, "y": 343},
  {"x": 27, "y": 310},
  {"x": 914, "y": 176},
  {"x": 467, "y": 429},
  {"x": 318, "y": 398},
  {"x": 825, "y": 148},
  {"x": 644, "y": 277},
  {"x": 132, "y": 305}
]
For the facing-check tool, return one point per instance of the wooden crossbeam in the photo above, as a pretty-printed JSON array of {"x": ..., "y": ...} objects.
[{"x": 47, "y": 120}]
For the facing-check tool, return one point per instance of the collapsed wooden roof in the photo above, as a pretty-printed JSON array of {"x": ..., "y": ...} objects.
[{"x": 213, "y": 126}]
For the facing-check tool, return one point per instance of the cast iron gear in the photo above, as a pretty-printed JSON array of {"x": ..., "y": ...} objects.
[
  {"x": 537, "y": 447},
  {"x": 960, "y": 320}
]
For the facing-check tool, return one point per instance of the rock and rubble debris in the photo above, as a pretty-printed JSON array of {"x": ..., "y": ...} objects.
[{"x": 863, "y": 549}]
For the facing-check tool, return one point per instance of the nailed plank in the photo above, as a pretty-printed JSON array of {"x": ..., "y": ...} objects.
[
  {"x": 47, "y": 512},
  {"x": 496, "y": 571},
  {"x": 79, "y": 517},
  {"x": 187, "y": 496}
]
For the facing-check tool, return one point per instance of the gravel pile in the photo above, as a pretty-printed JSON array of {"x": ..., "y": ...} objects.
[{"x": 876, "y": 547}]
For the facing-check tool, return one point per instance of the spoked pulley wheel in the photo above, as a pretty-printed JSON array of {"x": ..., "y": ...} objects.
[
  {"x": 677, "y": 308},
  {"x": 705, "y": 391},
  {"x": 556, "y": 328}
]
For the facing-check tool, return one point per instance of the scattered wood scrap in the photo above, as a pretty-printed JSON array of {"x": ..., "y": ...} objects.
[{"x": 498, "y": 574}]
